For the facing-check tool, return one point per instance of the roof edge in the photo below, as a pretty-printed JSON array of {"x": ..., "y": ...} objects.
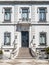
[{"x": 24, "y": 2}]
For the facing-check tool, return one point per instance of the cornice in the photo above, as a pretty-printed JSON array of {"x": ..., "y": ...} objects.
[
  {"x": 24, "y": 2},
  {"x": 23, "y": 24}
]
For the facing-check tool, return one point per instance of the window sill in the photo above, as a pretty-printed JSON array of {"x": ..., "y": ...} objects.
[
  {"x": 42, "y": 45},
  {"x": 7, "y": 46},
  {"x": 7, "y": 21},
  {"x": 42, "y": 21}
]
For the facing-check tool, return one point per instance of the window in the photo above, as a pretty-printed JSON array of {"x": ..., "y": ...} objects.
[
  {"x": 7, "y": 38},
  {"x": 42, "y": 14},
  {"x": 42, "y": 38},
  {"x": 7, "y": 14},
  {"x": 25, "y": 13}
]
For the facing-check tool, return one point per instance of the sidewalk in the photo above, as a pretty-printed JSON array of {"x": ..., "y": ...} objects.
[{"x": 24, "y": 62}]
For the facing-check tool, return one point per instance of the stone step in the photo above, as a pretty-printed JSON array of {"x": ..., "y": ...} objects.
[{"x": 24, "y": 53}]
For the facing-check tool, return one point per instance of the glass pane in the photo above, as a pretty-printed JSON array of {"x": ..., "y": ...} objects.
[
  {"x": 25, "y": 14},
  {"x": 8, "y": 10},
  {"x": 7, "y": 16},
  {"x": 42, "y": 38},
  {"x": 42, "y": 15},
  {"x": 42, "y": 10},
  {"x": 24, "y": 10},
  {"x": 7, "y": 40}
]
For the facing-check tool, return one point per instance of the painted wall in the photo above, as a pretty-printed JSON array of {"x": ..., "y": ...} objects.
[
  {"x": 2, "y": 13},
  {"x": 15, "y": 16},
  {"x": 17, "y": 13},
  {"x": 4, "y": 29},
  {"x": 39, "y": 29}
]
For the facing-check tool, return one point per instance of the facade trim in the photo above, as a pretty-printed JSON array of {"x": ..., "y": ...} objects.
[
  {"x": 22, "y": 24},
  {"x": 24, "y": 2}
]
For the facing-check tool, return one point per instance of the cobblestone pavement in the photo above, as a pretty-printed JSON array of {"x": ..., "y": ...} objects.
[{"x": 24, "y": 62}]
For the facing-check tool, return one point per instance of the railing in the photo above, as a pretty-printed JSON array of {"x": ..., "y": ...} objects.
[
  {"x": 25, "y": 19},
  {"x": 33, "y": 49},
  {"x": 15, "y": 50},
  {"x": 15, "y": 53}
]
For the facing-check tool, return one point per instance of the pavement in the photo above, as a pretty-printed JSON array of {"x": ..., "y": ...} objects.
[{"x": 24, "y": 62}]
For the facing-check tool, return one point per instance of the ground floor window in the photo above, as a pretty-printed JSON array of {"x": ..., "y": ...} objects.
[
  {"x": 7, "y": 38},
  {"x": 42, "y": 38}
]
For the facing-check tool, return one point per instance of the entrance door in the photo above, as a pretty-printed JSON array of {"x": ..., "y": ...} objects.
[{"x": 25, "y": 38}]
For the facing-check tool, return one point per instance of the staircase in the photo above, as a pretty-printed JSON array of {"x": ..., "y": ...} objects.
[{"x": 24, "y": 53}]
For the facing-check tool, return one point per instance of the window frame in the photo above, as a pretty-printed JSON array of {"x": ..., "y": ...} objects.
[
  {"x": 25, "y": 8},
  {"x": 45, "y": 36},
  {"x": 7, "y": 12},
  {"x": 40, "y": 18},
  {"x": 7, "y": 34}
]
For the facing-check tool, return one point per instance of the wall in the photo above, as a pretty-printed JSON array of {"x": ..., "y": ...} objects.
[
  {"x": 39, "y": 29},
  {"x": 4, "y": 29},
  {"x": 2, "y": 13}
]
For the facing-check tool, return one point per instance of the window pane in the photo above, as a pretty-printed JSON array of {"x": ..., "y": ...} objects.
[
  {"x": 42, "y": 15},
  {"x": 42, "y": 10},
  {"x": 42, "y": 38},
  {"x": 25, "y": 14},
  {"x": 24, "y": 10},
  {"x": 6, "y": 38},
  {"x": 7, "y": 15}
]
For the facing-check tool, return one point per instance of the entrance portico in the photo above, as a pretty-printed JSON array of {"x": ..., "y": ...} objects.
[{"x": 23, "y": 35}]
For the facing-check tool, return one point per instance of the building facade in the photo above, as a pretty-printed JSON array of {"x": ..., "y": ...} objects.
[{"x": 23, "y": 23}]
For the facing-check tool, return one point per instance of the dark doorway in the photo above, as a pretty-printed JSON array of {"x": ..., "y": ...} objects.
[{"x": 25, "y": 38}]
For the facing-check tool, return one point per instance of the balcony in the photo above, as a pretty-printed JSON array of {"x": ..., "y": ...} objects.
[{"x": 24, "y": 21}]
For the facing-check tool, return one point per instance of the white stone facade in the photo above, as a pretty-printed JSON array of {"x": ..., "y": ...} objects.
[{"x": 16, "y": 25}]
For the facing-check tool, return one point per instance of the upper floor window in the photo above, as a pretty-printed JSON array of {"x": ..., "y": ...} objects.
[
  {"x": 7, "y": 38},
  {"x": 7, "y": 14},
  {"x": 42, "y": 14},
  {"x": 42, "y": 38},
  {"x": 25, "y": 13}
]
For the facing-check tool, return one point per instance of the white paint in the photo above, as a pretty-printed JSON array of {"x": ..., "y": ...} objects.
[{"x": 33, "y": 30}]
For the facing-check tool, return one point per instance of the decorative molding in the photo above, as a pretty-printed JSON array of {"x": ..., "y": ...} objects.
[
  {"x": 24, "y": 2},
  {"x": 42, "y": 8},
  {"x": 3, "y": 9}
]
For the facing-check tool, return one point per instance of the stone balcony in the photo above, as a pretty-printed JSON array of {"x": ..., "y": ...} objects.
[{"x": 24, "y": 21}]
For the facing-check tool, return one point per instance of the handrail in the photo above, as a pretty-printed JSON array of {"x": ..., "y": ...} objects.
[
  {"x": 32, "y": 49},
  {"x": 15, "y": 50}
]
